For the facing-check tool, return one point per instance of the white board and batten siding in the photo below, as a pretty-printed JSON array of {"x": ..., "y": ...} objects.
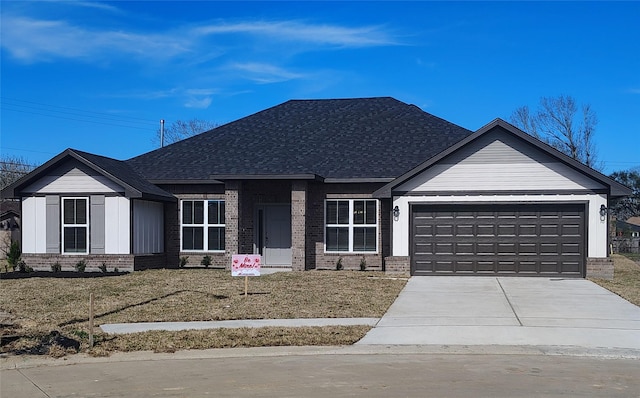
[
  {"x": 117, "y": 221},
  {"x": 148, "y": 227},
  {"x": 501, "y": 168},
  {"x": 34, "y": 229}
]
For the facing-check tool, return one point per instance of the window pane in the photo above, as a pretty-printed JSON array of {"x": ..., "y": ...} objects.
[
  {"x": 221, "y": 212},
  {"x": 198, "y": 212},
  {"x": 69, "y": 211},
  {"x": 371, "y": 212},
  {"x": 75, "y": 239},
  {"x": 332, "y": 212},
  {"x": 337, "y": 239},
  {"x": 81, "y": 211},
  {"x": 343, "y": 212},
  {"x": 216, "y": 238},
  {"x": 187, "y": 212},
  {"x": 364, "y": 239},
  {"x": 192, "y": 238},
  {"x": 213, "y": 212}
]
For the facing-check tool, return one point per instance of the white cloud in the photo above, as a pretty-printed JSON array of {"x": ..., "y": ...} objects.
[
  {"x": 35, "y": 40},
  {"x": 309, "y": 33},
  {"x": 32, "y": 40},
  {"x": 265, "y": 73},
  {"x": 202, "y": 103}
]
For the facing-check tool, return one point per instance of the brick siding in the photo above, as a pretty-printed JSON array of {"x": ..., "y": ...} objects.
[{"x": 600, "y": 268}]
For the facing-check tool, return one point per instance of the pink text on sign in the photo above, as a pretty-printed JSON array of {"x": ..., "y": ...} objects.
[{"x": 245, "y": 265}]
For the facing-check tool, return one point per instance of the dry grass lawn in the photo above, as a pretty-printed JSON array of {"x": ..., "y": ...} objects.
[
  {"x": 39, "y": 306},
  {"x": 626, "y": 279}
]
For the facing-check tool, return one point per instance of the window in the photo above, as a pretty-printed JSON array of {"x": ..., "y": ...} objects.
[
  {"x": 75, "y": 225},
  {"x": 203, "y": 225},
  {"x": 351, "y": 225}
]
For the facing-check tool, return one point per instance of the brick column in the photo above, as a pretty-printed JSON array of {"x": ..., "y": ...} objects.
[
  {"x": 298, "y": 224},
  {"x": 232, "y": 218}
]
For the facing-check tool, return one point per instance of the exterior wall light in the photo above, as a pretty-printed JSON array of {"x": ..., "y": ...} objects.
[
  {"x": 396, "y": 212},
  {"x": 603, "y": 210}
]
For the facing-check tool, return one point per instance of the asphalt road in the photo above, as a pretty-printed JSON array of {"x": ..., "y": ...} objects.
[{"x": 374, "y": 374}]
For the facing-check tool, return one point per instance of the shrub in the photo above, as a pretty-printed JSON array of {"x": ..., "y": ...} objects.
[
  {"x": 103, "y": 268},
  {"x": 56, "y": 267},
  {"x": 81, "y": 265},
  {"x": 184, "y": 260},
  {"x": 13, "y": 254},
  {"x": 23, "y": 267},
  {"x": 363, "y": 264},
  {"x": 116, "y": 269},
  {"x": 206, "y": 261},
  {"x": 339, "y": 265}
]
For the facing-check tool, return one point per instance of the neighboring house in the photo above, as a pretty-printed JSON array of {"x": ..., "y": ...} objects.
[
  {"x": 628, "y": 228},
  {"x": 9, "y": 224},
  {"x": 310, "y": 182}
]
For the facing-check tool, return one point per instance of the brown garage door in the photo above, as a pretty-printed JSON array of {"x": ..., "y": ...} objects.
[{"x": 531, "y": 239}]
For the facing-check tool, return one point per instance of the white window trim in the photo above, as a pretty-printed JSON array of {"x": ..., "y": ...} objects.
[
  {"x": 63, "y": 225},
  {"x": 205, "y": 226},
  {"x": 350, "y": 227}
]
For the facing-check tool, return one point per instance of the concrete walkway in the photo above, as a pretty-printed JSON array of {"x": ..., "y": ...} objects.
[
  {"x": 508, "y": 311},
  {"x": 250, "y": 323},
  {"x": 477, "y": 311}
]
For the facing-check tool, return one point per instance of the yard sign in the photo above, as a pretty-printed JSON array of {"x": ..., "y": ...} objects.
[{"x": 245, "y": 265}]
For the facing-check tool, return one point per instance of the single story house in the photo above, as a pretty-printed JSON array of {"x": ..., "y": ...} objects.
[
  {"x": 310, "y": 183},
  {"x": 9, "y": 225}
]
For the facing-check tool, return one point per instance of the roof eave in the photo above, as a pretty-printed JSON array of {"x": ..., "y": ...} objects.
[{"x": 225, "y": 177}]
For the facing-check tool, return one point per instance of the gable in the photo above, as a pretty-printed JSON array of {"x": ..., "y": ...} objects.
[
  {"x": 499, "y": 162},
  {"x": 72, "y": 177}
]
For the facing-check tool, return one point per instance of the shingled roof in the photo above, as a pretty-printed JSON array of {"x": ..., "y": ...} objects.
[
  {"x": 340, "y": 139},
  {"x": 116, "y": 170}
]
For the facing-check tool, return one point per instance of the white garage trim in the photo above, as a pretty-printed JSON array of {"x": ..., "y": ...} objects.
[{"x": 596, "y": 227}]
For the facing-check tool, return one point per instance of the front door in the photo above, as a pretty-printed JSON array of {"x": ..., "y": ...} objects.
[{"x": 274, "y": 237}]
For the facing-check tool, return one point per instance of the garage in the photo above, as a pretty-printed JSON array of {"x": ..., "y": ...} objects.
[{"x": 498, "y": 239}]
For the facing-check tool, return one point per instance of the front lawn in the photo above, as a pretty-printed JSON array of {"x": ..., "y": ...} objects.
[
  {"x": 626, "y": 279},
  {"x": 40, "y": 306}
]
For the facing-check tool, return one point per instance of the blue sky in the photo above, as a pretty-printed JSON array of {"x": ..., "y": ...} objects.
[{"x": 98, "y": 76}]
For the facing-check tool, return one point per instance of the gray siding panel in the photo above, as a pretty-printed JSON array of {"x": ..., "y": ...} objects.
[
  {"x": 97, "y": 224},
  {"x": 53, "y": 223}
]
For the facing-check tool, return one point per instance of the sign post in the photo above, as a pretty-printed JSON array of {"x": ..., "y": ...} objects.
[{"x": 246, "y": 265}]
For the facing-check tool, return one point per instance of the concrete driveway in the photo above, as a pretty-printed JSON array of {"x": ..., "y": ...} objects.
[{"x": 508, "y": 311}]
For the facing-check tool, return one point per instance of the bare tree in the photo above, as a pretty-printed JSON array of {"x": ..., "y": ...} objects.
[
  {"x": 181, "y": 129},
  {"x": 559, "y": 122},
  {"x": 12, "y": 168},
  {"x": 624, "y": 208}
]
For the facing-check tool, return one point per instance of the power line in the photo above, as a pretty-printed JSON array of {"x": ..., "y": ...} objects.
[
  {"x": 79, "y": 120},
  {"x": 75, "y": 114},
  {"x": 109, "y": 115}
]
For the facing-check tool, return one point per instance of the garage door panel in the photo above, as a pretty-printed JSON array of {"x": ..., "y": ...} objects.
[
  {"x": 570, "y": 230},
  {"x": 507, "y": 248},
  {"x": 531, "y": 239},
  {"x": 507, "y": 229},
  {"x": 485, "y": 230},
  {"x": 444, "y": 248},
  {"x": 527, "y": 230},
  {"x": 464, "y": 230},
  {"x": 444, "y": 230}
]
